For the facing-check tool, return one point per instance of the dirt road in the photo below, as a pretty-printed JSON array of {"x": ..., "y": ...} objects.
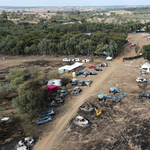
[{"x": 47, "y": 142}]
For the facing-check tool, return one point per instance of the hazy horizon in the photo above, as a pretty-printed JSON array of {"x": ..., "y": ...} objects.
[{"x": 59, "y": 3}]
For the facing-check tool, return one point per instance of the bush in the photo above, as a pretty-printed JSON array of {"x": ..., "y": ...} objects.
[
  {"x": 35, "y": 71},
  {"x": 14, "y": 73},
  {"x": 6, "y": 88},
  {"x": 17, "y": 80},
  {"x": 53, "y": 74}
]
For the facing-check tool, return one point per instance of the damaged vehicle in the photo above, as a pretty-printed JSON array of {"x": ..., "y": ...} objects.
[
  {"x": 62, "y": 93},
  {"x": 76, "y": 91},
  {"x": 81, "y": 121},
  {"x": 57, "y": 101},
  {"x": 87, "y": 107},
  {"x": 140, "y": 80},
  {"x": 26, "y": 143}
]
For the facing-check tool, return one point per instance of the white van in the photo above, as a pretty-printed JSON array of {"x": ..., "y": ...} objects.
[{"x": 57, "y": 82}]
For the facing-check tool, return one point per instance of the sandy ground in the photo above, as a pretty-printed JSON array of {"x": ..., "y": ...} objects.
[{"x": 50, "y": 141}]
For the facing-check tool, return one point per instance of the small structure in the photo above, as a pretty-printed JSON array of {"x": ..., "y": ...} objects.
[
  {"x": 52, "y": 88},
  {"x": 68, "y": 68},
  {"x": 146, "y": 67}
]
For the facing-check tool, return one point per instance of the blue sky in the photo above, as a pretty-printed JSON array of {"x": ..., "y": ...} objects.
[{"x": 72, "y": 2}]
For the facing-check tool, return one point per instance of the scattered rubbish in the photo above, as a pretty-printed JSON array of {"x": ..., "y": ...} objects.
[
  {"x": 125, "y": 84},
  {"x": 115, "y": 73},
  {"x": 137, "y": 66},
  {"x": 121, "y": 69},
  {"x": 116, "y": 85},
  {"x": 5, "y": 119}
]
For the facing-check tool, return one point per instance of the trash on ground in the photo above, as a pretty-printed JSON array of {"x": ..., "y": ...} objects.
[
  {"x": 5, "y": 119},
  {"x": 121, "y": 69}
]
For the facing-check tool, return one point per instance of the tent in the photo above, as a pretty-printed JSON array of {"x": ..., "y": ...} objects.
[
  {"x": 146, "y": 67},
  {"x": 68, "y": 68},
  {"x": 52, "y": 88}
]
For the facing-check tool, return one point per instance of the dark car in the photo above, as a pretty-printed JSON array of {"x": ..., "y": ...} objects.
[
  {"x": 91, "y": 73},
  {"x": 57, "y": 101},
  {"x": 103, "y": 64},
  {"x": 80, "y": 72},
  {"x": 146, "y": 95},
  {"x": 98, "y": 69},
  {"x": 81, "y": 83}
]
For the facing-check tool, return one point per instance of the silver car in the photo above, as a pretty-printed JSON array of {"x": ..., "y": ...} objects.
[
  {"x": 47, "y": 113},
  {"x": 88, "y": 82},
  {"x": 44, "y": 120}
]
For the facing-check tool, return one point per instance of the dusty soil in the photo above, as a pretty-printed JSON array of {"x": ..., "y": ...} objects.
[
  {"x": 120, "y": 122},
  {"x": 122, "y": 125}
]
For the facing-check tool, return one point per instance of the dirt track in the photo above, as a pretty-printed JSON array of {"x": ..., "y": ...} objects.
[{"x": 56, "y": 136}]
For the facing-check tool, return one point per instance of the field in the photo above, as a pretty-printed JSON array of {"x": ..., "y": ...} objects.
[{"x": 122, "y": 125}]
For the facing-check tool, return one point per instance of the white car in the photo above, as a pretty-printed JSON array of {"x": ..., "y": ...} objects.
[
  {"x": 66, "y": 59},
  {"x": 140, "y": 80},
  {"x": 109, "y": 58},
  {"x": 88, "y": 82},
  {"x": 86, "y": 60},
  {"x": 76, "y": 59},
  {"x": 81, "y": 121}
]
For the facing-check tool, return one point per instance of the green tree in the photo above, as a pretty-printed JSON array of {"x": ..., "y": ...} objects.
[
  {"x": 44, "y": 45},
  {"x": 137, "y": 48},
  {"x": 146, "y": 51},
  {"x": 29, "y": 104},
  {"x": 34, "y": 71},
  {"x": 4, "y": 15},
  {"x": 100, "y": 48},
  {"x": 65, "y": 80}
]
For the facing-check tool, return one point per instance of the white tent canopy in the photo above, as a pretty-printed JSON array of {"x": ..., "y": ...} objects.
[
  {"x": 146, "y": 67},
  {"x": 67, "y": 68}
]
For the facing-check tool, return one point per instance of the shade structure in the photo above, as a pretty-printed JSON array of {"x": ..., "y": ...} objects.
[{"x": 52, "y": 88}]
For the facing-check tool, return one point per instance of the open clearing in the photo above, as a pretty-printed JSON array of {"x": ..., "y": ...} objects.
[{"x": 122, "y": 125}]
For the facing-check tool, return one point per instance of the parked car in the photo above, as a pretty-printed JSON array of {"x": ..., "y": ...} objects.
[
  {"x": 91, "y": 66},
  {"x": 76, "y": 91},
  {"x": 109, "y": 58},
  {"x": 86, "y": 60},
  {"x": 146, "y": 95},
  {"x": 44, "y": 120},
  {"x": 62, "y": 93},
  {"x": 81, "y": 121},
  {"x": 98, "y": 69},
  {"x": 92, "y": 73},
  {"x": 76, "y": 59},
  {"x": 103, "y": 64},
  {"x": 140, "y": 80},
  {"x": 80, "y": 72},
  {"x": 57, "y": 101},
  {"x": 66, "y": 59},
  {"x": 81, "y": 83},
  {"x": 84, "y": 74},
  {"x": 88, "y": 82},
  {"x": 47, "y": 113},
  {"x": 74, "y": 81}
]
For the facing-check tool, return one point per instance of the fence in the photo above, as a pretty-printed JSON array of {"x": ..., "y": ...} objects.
[{"x": 132, "y": 58}]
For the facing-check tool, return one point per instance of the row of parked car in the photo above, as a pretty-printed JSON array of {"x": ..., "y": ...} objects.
[{"x": 75, "y": 59}]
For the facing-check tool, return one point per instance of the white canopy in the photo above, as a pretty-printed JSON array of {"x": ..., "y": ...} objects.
[{"x": 67, "y": 68}]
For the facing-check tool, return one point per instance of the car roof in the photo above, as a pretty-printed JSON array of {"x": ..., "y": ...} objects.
[{"x": 79, "y": 117}]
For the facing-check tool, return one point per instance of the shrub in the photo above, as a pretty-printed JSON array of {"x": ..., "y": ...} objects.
[
  {"x": 17, "y": 80},
  {"x": 6, "y": 88},
  {"x": 14, "y": 73},
  {"x": 35, "y": 71},
  {"x": 53, "y": 74}
]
